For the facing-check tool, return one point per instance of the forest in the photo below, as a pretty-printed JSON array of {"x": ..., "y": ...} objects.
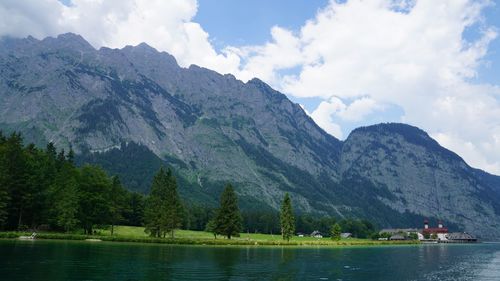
[{"x": 43, "y": 189}]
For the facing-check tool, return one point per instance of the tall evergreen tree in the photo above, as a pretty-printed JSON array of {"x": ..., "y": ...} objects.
[
  {"x": 51, "y": 151},
  {"x": 163, "y": 210},
  {"x": 117, "y": 202},
  {"x": 287, "y": 220},
  {"x": 4, "y": 200},
  {"x": 16, "y": 180},
  {"x": 64, "y": 198},
  {"x": 93, "y": 187},
  {"x": 212, "y": 228},
  {"x": 228, "y": 220},
  {"x": 4, "y": 194},
  {"x": 71, "y": 155},
  {"x": 134, "y": 213},
  {"x": 172, "y": 213},
  {"x": 153, "y": 206},
  {"x": 336, "y": 232},
  {"x": 36, "y": 203}
]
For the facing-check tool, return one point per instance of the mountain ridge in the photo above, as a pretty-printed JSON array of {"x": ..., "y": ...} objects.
[{"x": 213, "y": 128}]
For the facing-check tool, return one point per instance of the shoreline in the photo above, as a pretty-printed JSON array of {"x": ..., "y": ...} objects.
[{"x": 202, "y": 241}]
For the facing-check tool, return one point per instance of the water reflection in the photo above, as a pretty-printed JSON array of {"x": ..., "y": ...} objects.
[{"x": 56, "y": 260}]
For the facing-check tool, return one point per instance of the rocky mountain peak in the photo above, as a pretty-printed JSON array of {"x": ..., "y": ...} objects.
[
  {"x": 68, "y": 41},
  {"x": 214, "y": 129}
]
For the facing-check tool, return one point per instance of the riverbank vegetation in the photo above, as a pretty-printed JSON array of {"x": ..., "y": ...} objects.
[{"x": 43, "y": 190}]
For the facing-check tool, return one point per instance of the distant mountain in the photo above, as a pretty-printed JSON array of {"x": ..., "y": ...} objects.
[{"x": 134, "y": 109}]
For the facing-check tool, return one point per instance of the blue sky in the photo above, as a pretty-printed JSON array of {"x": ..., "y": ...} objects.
[
  {"x": 241, "y": 23},
  {"x": 490, "y": 73}
]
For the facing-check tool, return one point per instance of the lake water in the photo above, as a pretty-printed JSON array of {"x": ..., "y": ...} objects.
[{"x": 68, "y": 260}]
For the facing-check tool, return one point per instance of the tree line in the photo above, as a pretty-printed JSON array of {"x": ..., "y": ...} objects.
[{"x": 44, "y": 189}]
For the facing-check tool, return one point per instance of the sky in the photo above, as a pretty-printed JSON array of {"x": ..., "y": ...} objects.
[{"x": 432, "y": 64}]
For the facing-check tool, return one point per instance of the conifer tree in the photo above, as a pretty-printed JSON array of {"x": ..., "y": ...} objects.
[
  {"x": 51, "y": 151},
  {"x": 64, "y": 199},
  {"x": 212, "y": 228},
  {"x": 287, "y": 220},
  {"x": 40, "y": 187},
  {"x": 16, "y": 179},
  {"x": 172, "y": 214},
  {"x": 117, "y": 202},
  {"x": 71, "y": 155},
  {"x": 134, "y": 213},
  {"x": 4, "y": 200},
  {"x": 153, "y": 207},
  {"x": 336, "y": 231},
  {"x": 228, "y": 220},
  {"x": 93, "y": 187},
  {"x": 163, "y": 210},
  {"x": 4, "y": 194}
]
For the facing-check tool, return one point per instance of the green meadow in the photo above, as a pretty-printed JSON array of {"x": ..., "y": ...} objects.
[{"x": 137, "y": 234}]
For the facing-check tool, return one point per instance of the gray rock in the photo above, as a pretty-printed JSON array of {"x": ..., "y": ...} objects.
[{"x": 215, "y": 128}]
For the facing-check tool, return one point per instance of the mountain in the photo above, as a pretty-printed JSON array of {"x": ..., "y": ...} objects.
[{"x": 134, "y": 109}]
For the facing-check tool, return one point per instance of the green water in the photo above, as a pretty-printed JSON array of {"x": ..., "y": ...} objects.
[{"x": 68, "y": 260}]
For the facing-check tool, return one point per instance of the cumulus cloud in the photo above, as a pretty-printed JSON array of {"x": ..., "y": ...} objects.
[
  {"x": 411, "y": 54},
  {"x": 165, "y": 25}
]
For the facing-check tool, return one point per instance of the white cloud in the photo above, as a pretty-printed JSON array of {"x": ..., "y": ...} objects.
[
  {"x": 411, "y": 54},
  {"x": 165, "y": 25},
  {"x": 264, "y": 61},
  {"x": 23, "y": 18},
  {"x": 356, "y": 111},
  {"x": 323, "y": 116}
]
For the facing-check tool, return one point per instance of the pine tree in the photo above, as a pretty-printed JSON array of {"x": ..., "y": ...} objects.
[
  {"x": 117, "y": 202},
  {"x": 134, "y": 213},
  {"x": 173, "y": 210},
  {"x": 93, "y": 188},
  {"x": 71, "y": 155},
  {"x": 16, "y": 178},
  {"x": 4, "y": 194},
  {"x": 287, "y": 220},
  {"x": 64, "y": 199},
  {"x": 163, "y": 210},
  {"x": 212, "y": 228},
  {"x": 51, "y": 151},
  {"x": 336, "y": 231},
  {"x": 228, "y": 220},
  {"x": 154, "y": 209},
  {"x": 61, "y": 159}
]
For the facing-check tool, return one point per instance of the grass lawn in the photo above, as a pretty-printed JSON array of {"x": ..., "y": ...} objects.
[
  {"x": 136, "y": 234},
  {"x": 247, "y": 238}
]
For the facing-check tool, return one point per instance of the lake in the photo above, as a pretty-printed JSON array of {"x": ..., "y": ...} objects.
[{"x": 72, "y": 260}]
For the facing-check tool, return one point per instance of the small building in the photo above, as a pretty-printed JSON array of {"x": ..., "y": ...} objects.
[
  {"x": 460, "y": 237},
  {"x": 396, "y": 237},
  {"x": 345, "y": 235},
  {"x": 300, "y": 234},
  {"x": 316, "y": 234}
]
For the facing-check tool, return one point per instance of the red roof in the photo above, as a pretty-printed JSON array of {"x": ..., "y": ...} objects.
[{"x": 435, "y": 230}]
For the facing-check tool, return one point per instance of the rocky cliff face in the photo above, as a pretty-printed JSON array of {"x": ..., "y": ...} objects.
[
  {"x": 421, "y": 176},
  {"x": 214, "y": 128}
]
